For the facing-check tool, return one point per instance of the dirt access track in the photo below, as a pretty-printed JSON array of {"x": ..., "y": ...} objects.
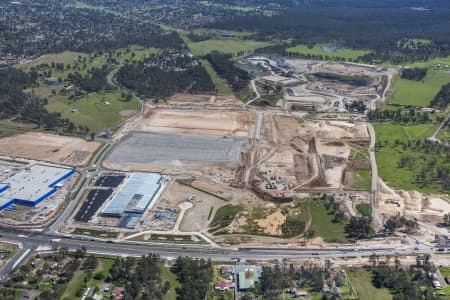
[{"x": 49, "y": 147}]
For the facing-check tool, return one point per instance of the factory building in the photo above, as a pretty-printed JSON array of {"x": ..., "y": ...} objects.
[{"x": 32, "y": 185}]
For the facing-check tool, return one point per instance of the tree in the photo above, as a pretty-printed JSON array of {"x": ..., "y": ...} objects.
[
  {"x": 359, "y": 228},
  {"x": 309, "y": 235},
  {"x": 271, "y": 283},
  {"x": 194, "y": 275}
]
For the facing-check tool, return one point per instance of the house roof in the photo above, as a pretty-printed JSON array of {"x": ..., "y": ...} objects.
[
  {"x": 226, "y": 269},
  {"x": 224, "y": 284},
  {"x": 247, "y": 278}
]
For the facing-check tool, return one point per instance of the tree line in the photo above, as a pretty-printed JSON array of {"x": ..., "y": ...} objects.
[
  {"x": 222, "y": 64},
  {"x": 141, "y": 278},
  {"x": 406, "y": 282},
  {"x": 354, "y": 24},
  {"x": 414, "y": 73},
  {"x": 399, "y": 116},
  {"x": 442, "y": 99},
  {"x": 160, "y": 77},
  {"x": 93, "y": 81}
]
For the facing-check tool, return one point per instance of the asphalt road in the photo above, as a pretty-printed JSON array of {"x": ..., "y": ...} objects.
[{"x": 34, "y": 240}]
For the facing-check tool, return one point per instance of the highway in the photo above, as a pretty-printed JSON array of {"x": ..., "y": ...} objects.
[
  {"x": 37, "y": 239},
  {"x": 48, "y": 240}
]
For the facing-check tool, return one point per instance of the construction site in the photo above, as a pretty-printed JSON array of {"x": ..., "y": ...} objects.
[
  {"x": 306, "y": 155},
  {"x": 317, "y": 86},
  {"x": 173, "y": 140},
  {"x": 215, "y": 155}
]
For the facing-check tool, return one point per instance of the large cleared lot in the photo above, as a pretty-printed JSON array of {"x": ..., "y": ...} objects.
[
  {"x": 169, "y": 149},
  {"x": 49, "y": 147}
]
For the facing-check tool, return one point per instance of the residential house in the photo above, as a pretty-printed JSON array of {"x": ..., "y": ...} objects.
[{"x": 224, "y": 286}]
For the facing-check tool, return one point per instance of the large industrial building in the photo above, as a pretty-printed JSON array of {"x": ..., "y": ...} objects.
[
  {"x": 32, "y": 185},
  {"x": 130, "y": 202}
]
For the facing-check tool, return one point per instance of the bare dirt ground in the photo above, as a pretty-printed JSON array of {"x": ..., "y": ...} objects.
[
  {"x": 272, "y": 223},
  {"x": 215, "y": 121},
  {"x": 226, "y": 101},
  {"x": 344, "y": 68},
  {"x": 220, "y": 123},
  {"x": 427, "y": 210},
  {"x": 413, "y": 203},
  {"x": 49, "y": 147},
  {"x": 205, "y": 206}
]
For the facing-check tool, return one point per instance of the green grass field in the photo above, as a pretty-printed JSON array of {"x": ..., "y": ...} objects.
[
  {"x": 219, "y": 82},
  {"x": 364, "y": 209},
  {"x": 218, "y": 33},
  {"x": 66, "y": 57},
  {"x": 9, "y": 131},
  {"x": 345, "y": 53},
  {"x": 224, "y": 216},
  {"x": 362, "y": 180},
  {"x": 322, "y": 224},
  {"x": 92, "y": 111},
  {"x": 236, "y": 7},
  {"x": 389, "y": 156},
  {"x": 226, "y": 45},
  {"x": 362, "y": 282},
  {"x": 104, "y": 265},
  {"x": 445, "y": 271},
  {"x": 420, "y": 93},
  {"x": 82, "y": 5},
  {"x": 444, "y": 134},
  {"x": 167, "y": 275}
]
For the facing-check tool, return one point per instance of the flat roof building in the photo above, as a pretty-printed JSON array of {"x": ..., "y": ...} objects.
[
  {"x": 135, "y": 196},
  {"x": 247, "y": 279},
  {"x": 32, "y": 185}
]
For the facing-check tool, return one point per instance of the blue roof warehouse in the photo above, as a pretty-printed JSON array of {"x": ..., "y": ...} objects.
[
  {"x": 32, "y": 185},
  {"x": 133, "y": 199}
]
